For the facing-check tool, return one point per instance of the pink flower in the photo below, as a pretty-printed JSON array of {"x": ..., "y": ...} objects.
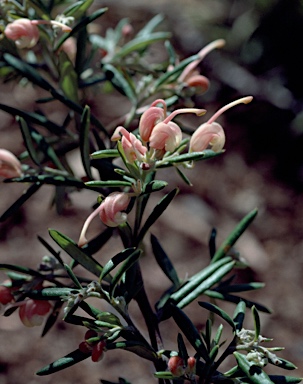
[
  {"x": 157, "y": 128},
  {"x": 10, "y": 166},
  {"x": 111, "y": 209},
  {"x": 166, "y": 136},
  {"x": 32, "y": 312},
  {"x": 132, "y": 147},
  {"x": 23, "y": 32},
  {"x": 111, "y": 212},
  {"x": 151, "y": 117},
  {"x": 211, "y": 133}
]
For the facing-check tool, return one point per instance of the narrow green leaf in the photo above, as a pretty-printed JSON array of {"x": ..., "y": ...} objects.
[
  {"x": 183, "y": 177},
  {"x": 240, "y": 287},
  {"x": 190, "y": 331},
  {"x": 120, "y": 82},
  {"x": 253, "y": 372},
  {"x": 108, "y": 184},
  {"x": 239, "y": 315},
  {"x": 140, "y": 349},
  {"x": 257, "y": 323},
  {"x": 28, "y": 140},
  {"x": 150, "y": 25},
  {"x": 182, "y": 348},
  {"x": 68, "y": 79},
  {"x": 206, "y": 284},
  {"x": 186, "y": 157},
  {"x": 235, "y": 234},
  {"x": 164, "y": 261},
  {"x": 218, "y": 334},
  {"x": 166, "y": 375},
  {"x": 154, "y": 186},
  {"x": 78, "y": 8},
  {"x": 218, "y": 311},
  {"x": 198, "y": 278},
  {"x": 116, "y": 260},
  {"x": 84, "y": 140},
  {"x": 141, "y": 42},
  {"x": 212, "y": 242},
  {"x": 51, "y": 293},
  {"x": 285, "y": 364},
  {"x": 131, "y": 260},
  {"x": 20, "y": 201},
  {"x": 73, "y": 276},
  {"x": 279, "y": 379},
  {"x": 34, "y": 118},
  {"x": 105, "y": 153},
  {"x": 70, "y": 247},
  {"x": 156, "y": 213},
  {"x": 52, "y": 318},
  {"x": 18, "y": 268},
  {"x": 64, "y": 362},
  {"x": 58, "y": 180}
]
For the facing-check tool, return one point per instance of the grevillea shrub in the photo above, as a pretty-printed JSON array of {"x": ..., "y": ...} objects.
[{"x": 55, "y": 50}]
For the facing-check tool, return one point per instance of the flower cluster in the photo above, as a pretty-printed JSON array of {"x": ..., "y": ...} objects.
[
  {"x": 93, "y": 345},
  {"x": 178, "y": 367}
]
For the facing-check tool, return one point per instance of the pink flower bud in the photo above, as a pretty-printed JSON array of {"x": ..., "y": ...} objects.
[
  {"x": 199, "y": 82},
  {"x": 191, "y": 365},
  {"x": 151, "y": 117},
  {"x": 111, "y": 209},
  {"x": 6, "y": 295},
  {"x": 132, "y": 147},
  {"x": 165, "y": 136},
  {"x": 32, "y": 312},
  {"x": 176, "y": 366},
  {"x": 98, "y": 351},
  {"x": 207, "y": 135},
  {"x": 10, "y": 166},
  {"x": 23, "y": 33}
]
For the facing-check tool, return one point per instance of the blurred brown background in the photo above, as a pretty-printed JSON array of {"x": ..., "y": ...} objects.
[{"x": 262, "y": 167}]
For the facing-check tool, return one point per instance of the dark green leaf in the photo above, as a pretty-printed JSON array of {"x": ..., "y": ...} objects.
[
  {"x": 58, "y": 180},
  {"x": 139, "y": 349},
  {"x": 164, "y": 261},
  {"x": 108, "y": 184},
  {"x": 182, "y": 348},
  {"x": 285, "y": 364},
  {"x": 78, "y": 8},
  {"x": 52, "y": 318},
  {"x": 68, "y": 79},
  {"x": 22, "y": 199},
  {"x": 141, "y": 42},
  {"x": 256, "y": 322},
  {"x": 235, "y": 234},
  {"x": 277, "y": 379},
  {"x": 70, "y": 247},
  {"x": 239, "y": 315},
  {"x": 239, "y": 287},
  {"x": 116, "y": 260},
  {"x": 183, "y": 177},
  {"x": 218, "y": 311},
  {"x": 212, "y": 242},
  {"x": 253, "y": 372},
  {"x": 52, "y": 293},
  {"x": 120, "y": 82},
  {"x": 131, "y": 260},
  {"x": 18, "y": 268},
  {"x": 156, "y": 213},
  {"x": 35, "y": 118},
  {"x": 154, "y": 186},
  {"x": 62, "y": 363},
  {"x": 193, "y": 156},
  {"x": 28, "y": 140},
  {"x": 73, "y": 276},
  {"x": 190, "y": 331},
  {"x": 84, "y": 140},
  {"x": 105, "y": 153}
]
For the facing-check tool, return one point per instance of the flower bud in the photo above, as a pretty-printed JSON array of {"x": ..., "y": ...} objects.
[
  {"x": 199, "y": 82},
  {"x": 10, "y": 166},
  {"x": 6, "y": 295},
  {"x": 32, "y": 312},
  {"x": 98, "y": 351},
  {"x": 207, "y": 135},
  {"x": 191, "y": 365},
  {"x": 176, "y": 366},
  {"x": 23, "y": 33}
]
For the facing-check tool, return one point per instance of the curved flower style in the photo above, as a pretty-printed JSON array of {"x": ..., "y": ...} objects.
[
  {"x": 10, "y": 166},
  {"x": 110, "y": 212},
  {"x": 132, "y": 147},
  {"x": 191, "y": 76},
  {"x": 211, "y": 133},
  {"x": 151, "y": 117},
  {"x": 32, "y": 312},
  {"x": 23, "y": 32}
]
